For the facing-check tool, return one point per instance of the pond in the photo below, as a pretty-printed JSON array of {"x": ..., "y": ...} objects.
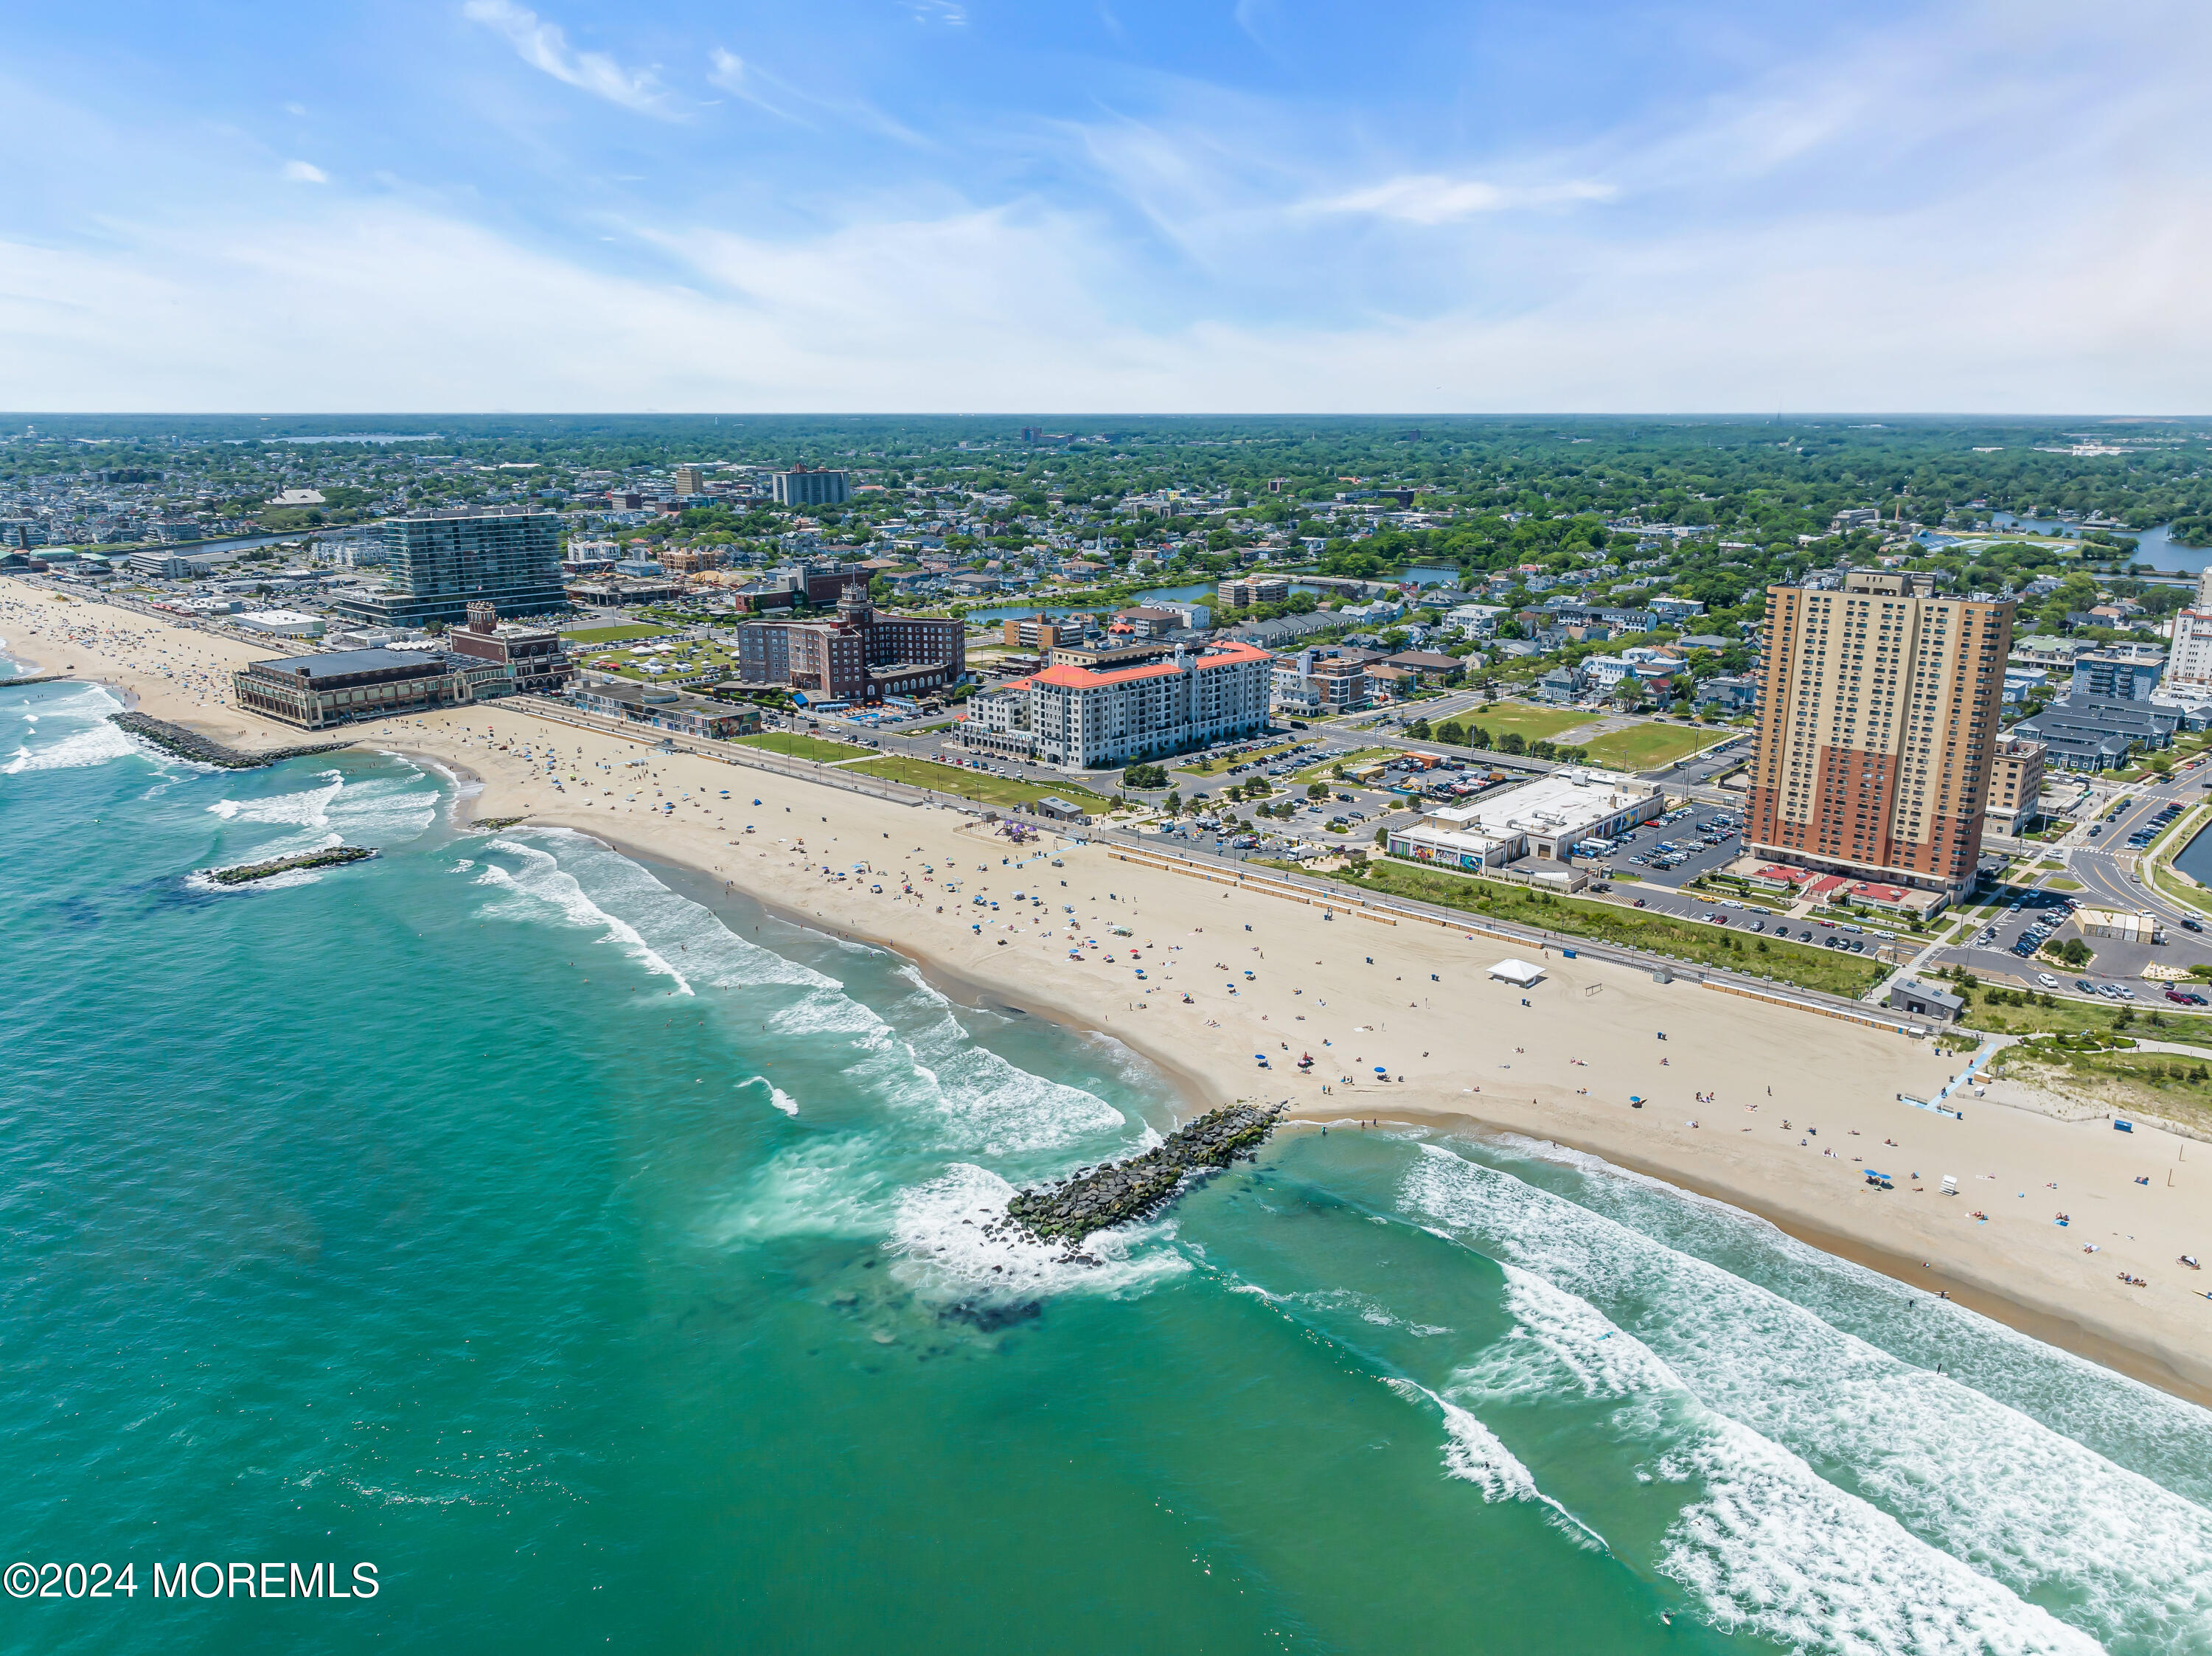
[{"x": 2154, "y": 546}]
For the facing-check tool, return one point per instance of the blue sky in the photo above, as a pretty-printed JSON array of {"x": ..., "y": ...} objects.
[{"x": 987, "y": 204}]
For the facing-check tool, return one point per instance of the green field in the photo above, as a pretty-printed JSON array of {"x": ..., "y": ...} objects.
[
  {"x": 614, "y": 634},
  {"x": 795, "y": 746},
  {"x": 1350, "y": 760},
  {"x": 980, "y": 786},
  {"x": 1646, "y": 747},
  {"x": 1707, "y": 945},
  {"x": 1534, "y": 723},
  {"x": 2152, "y": 1018}
]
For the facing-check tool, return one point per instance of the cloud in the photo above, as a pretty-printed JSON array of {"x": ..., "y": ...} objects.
[
  {"x": 949, "y": 13},
  {"x": 730, "y": 73},
  {"x": 778, "y": 96},
  {"x": 1433, "y": 198},
  {"x": 545, "y": 47},
  {"x": 304, "y": 173}
]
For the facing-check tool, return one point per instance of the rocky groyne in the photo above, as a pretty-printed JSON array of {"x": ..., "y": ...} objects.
[
  {"x": 1071, "y": 1209},
  {"x": 191, "y": 744},
  {"x": 328, "y": 857}
]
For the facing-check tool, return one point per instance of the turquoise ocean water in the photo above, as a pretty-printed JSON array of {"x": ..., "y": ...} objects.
[{"x": 597, "y": 1257}]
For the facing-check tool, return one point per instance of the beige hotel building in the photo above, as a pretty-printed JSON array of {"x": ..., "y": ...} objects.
[{"x": 1878, "y": 728}]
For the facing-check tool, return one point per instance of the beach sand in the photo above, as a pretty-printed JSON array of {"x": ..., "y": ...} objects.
[{"x": 1733, "y": 1092}]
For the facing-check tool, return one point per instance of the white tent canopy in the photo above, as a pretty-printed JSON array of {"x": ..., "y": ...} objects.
[{"x": 1521, "y": 973}]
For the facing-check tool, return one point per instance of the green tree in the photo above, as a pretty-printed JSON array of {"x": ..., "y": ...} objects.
[
  {"x": 1317, "y": 789},
  {"x": 1514, "y": 743},
  {"x": 1452, "y": 732}
]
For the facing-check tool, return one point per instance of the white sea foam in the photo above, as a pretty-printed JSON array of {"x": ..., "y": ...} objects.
[
  {"x": 2156, "y": 1433},
  {"x": 689, "y": 935},
  {"x": 85, "y": 737},
  {"x": 939, "y": 1233},
  {"x": 827, "y": 1187},
  {"x": 1970, "y": 1478},
  {"x": 776, "y": 1095},
  {"x": 542, "y": 880},
  {"x": 308, "y": 808},
  {"x": 1473, "y": 1452}
]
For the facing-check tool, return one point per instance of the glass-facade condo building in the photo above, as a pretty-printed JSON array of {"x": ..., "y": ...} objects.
[{"x": 441, "y": 562}]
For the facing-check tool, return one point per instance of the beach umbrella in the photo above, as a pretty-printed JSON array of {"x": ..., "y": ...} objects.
[{"x": 1380, "y": 1071}]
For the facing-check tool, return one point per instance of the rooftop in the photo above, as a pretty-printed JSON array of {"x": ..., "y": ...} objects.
[{"x": 342, "y": 664}]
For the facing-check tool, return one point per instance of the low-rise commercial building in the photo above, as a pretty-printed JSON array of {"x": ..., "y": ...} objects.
[
  {"x": 664, "y": 709},
  {"x": 1545, "y": 818},
  {"x": 2120, "y": 925},
  {"x": 282, "y": 623},
  {"x": 1906, "y": 995}
]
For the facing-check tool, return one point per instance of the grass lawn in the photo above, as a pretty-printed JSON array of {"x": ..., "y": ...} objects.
[
  {"x": 1646, "y": 747},
  {"x": 1351, "y": 760},
  {"x": 1536, "y": 724},
  {"x": 1691, "y": 940},
  {"x": 2062, "y": 885},
  {"x": 980, "y": 786},
  {"x": 2154, "y": 1018},
  {"x": 795, "y": 746},
  {"x": 612, "y": 635}
]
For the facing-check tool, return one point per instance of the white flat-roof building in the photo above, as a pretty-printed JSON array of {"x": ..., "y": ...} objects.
[
  {"x": 1547, "y": 818},
  {"x": 283, "y": 624},
  {"x": 1552, "y": 814}
]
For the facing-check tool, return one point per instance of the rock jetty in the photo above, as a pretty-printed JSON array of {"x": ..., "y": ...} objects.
[
  {"x": 1071, "y": 1209},
  {"x": 191, "y": 744},
  {"x": 328, "y": 857}
]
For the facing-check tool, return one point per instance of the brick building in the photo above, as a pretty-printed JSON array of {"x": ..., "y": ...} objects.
[{"x": 858, "y": 657}]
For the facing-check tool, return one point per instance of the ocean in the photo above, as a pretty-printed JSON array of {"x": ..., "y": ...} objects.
[{"x": 600, "y": 1259}]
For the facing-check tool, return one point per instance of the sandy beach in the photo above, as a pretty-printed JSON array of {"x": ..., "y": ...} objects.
[{"x": 1779, "y": 1111}]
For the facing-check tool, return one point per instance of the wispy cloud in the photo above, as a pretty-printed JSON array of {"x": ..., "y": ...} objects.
[
  {"x": 779, "y": 97},
  {"x": 545, "y": 47},
  {"x": 734, "y": 75},
  {"x": 949, "y": 13},
  {"x": 304, "y": 173},
  {"x": 1434, "y": 198}
]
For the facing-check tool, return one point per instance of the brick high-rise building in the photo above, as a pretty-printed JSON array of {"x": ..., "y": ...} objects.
[
  {"x": 1877, "y": 727},
  {"x": 858, "y": 657}
]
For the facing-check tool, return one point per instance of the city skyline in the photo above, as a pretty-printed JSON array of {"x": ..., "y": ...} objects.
[{"x": 475, "y": 204}]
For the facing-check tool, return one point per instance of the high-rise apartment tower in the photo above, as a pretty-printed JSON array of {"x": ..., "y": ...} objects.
[
  {"x": 440, "y": 562},
  {"x": 1878, "y": 721},
  {"x": 800, "y": 487}
]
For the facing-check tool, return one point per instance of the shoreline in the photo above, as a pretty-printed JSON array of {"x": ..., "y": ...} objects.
[
  {"x": 1770, "y": 1111},
  {"x": 2048, "y": 1326}
]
